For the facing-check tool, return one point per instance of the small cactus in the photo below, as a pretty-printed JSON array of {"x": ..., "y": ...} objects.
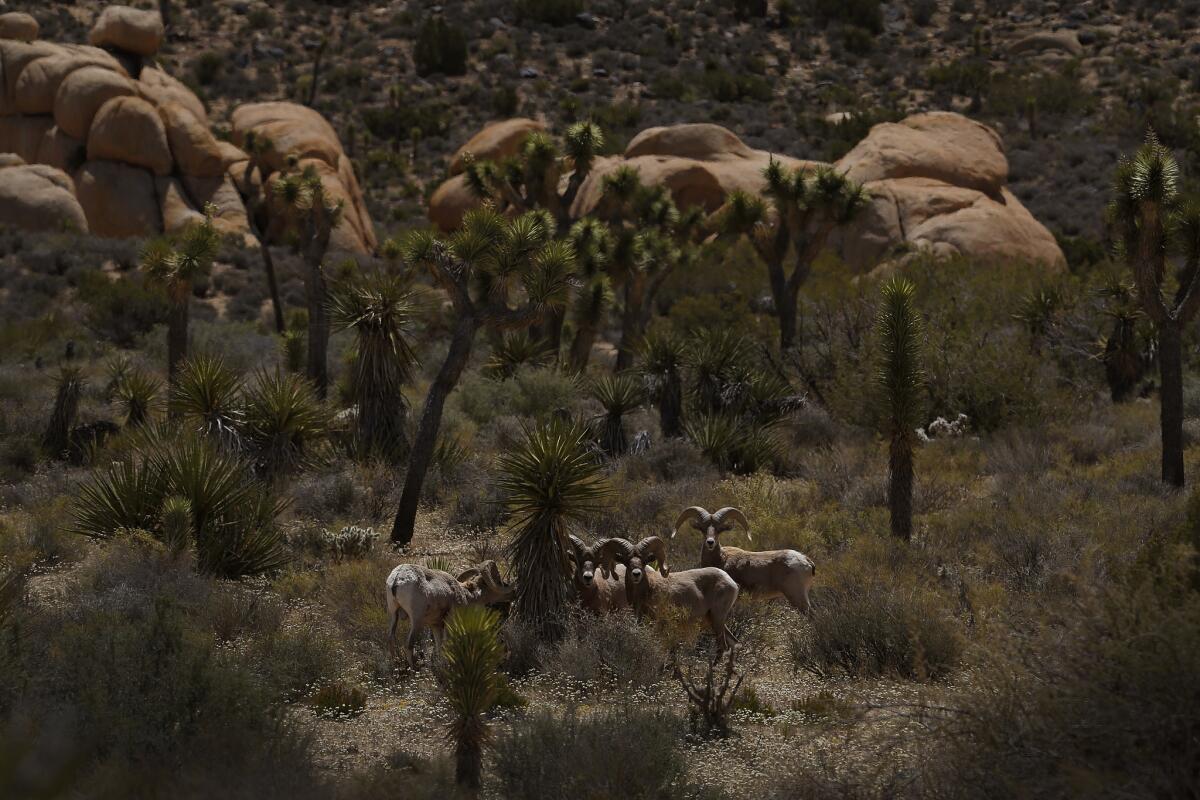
[{"x": 177, "y": 523}]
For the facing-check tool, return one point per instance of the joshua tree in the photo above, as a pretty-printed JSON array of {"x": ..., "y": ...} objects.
[
  {"x": 531, "y": 179},
  {"x": 1153, "y": 225},
  {"x": 901, "y": 381},
  {"x": 619, "y": 395},
  {"x": 57, "y": 438},
  {"x": 662, "y": 370},
  {"x": 176, "y": 265},
  {"x": 593, "y": 242},
  {"x": 379, "y": 309},
  {"x": 513, "y": 351},
  {"x": 480, "y": 267},
  {"x": 1127, "y": 348},
  {"x": 549, "y": 480},
  {"x": 259, "y": 148},
  {"x": 651, "y": 239},
  {"x": 138, "y": 393},
  {"x": 804, "y": 209},
  {"x": 470, "y": 680},
  {"x": 314, "y": 215}
]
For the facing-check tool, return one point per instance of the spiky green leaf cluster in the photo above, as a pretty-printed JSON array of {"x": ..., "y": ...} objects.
[
  {"x": 284, "y": 424},
  {"x": 471, "y": 680},
  {"x": 900, "y": 376},
  {"x": 514, "y": 350},
  {"x": 139, "y": 394},
  {"x": 179, "y": 261},
  {"x": 618, "y": 394},
  {"x": 207, "y": 397}
]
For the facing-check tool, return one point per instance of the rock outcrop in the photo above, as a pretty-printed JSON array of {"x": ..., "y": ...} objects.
[
  {"x": 496, "y": 141},
  {"x": 37, "y": 197},
  {"x": 137, "y": 141},
  {"x": 937, "y": 183}
]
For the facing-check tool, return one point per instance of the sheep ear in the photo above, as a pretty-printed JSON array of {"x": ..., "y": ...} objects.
[{"x": 694, "y": 513}]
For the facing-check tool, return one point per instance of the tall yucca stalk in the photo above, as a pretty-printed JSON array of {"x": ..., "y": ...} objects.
[
  {"x": 260, "y": 150},
  {"x": 176, "y": 264},
  {"x": 500, "y": 275},
  {"x": 549, "y": 480},
  {"x": 470, "y": 681},
  {"x": 901, "y": 383},
  {"x": 592, "y": 240},
  {"x": 619, "y": 395},
  {"x": 662, "y": 370},
  {"x": 380, "y": 310},
  {"x": 57, "y": 438},
  {"x": 790, "y": 228},
  {"x": 313, "y": 215},
  {"x": 1153, "y": 225}
]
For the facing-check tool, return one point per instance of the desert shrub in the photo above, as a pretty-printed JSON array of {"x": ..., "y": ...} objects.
[
  {"x": 631, "y": 752},
  {"x": 531, "y": 392},
  {"x": 207, "y": 67},
  {"x": 922, "y": 11},
  {"x": 353, "y": 593},
  {"x": 611, "y": 647},
  {"x": 1117, "y": 703},
  {"x": 123, "y": 310},
  {"x": 866, "y": 14},
  {"x": 338, "y": 700},
  {"x": 440, "y": 48},
  {"x": 295, "y": 658},
  {"x": 868, "y": 627}
]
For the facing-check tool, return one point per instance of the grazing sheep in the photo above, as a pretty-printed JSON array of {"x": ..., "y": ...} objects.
[
  {"x": 427, "y": 596},
  {"x": 599, "y": 593},
  {"x": 768, "y": 573},
  {"x": 707, "y": 593}
]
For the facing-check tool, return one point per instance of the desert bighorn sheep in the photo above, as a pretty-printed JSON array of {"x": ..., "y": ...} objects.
[
  {"x": 767, "y": 573},
  {"x": 705, "y": 593},
  {"x": 599, "y": 593},
  {"x": 427, "y": 596}
]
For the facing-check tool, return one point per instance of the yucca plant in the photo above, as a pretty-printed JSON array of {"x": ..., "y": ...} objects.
[
  {"x": 232, "y": 514},
  {"x": 716, "y": 360},
  {"x": 619, "y": 395},
  {"x": 732, "y": 444},
  {"x": 515, "y": 350},
  {"x": 139, "y": 394},
  {"x": 57, "y": 438},
  {"x": 284, "y": 425},
  {"x": 176, "y": 264},
  {"x": 592, "y": 241},
  {"x": 1154, "y": 226},
  {"x": 207, "y": 397},
  {"x": 550, "y": 480},
  {"x": 900, "y": 381},
  {"x": 470, "y": 679},
  {"x": 312, "y": 216},
  {"x": 379, "y": 309},
  {"x": 116, "y": 368},
  {"x": 790, "y": 228},
  {"x": 663, "y": 356},
  {"x": 484, "y": 267}
]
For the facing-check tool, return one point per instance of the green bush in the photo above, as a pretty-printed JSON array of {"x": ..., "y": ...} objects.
[
  {"x": 440, "y": 48},
  {"x": 631, "y": 753},
  {"x": 866, "y": 14},
  {"x": 123, "y": 310},
  {"x": 549, "y": 12},
  {"x": 613, "y": 648}
]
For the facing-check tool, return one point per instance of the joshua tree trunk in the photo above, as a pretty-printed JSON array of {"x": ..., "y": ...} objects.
[
  {"x": 177, "y": 331},
  {"x": 431, "y": 421},
  {"x": 581, "y": 346},
  {"x": 316, "y": 72},
  {"x": 272, "y": 283},
  {"x": 900, "y": 485},
  {"x": 318, "y": 329},
  {"x": 670, "y": 407},
  {"x": 631, "y": 316},
  {"x": 468, "y": 765},
  {"x": 1170, "y": 363}
]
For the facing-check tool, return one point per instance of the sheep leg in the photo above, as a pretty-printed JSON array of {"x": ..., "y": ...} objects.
[
  {"x": 799, "y": 600},
  {"x": 414, "y": 633},
  {"x": 392, "y": 632}
]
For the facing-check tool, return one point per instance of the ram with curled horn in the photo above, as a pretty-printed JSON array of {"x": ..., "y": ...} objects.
[
  {"x": 601, "y": 587},
  {"x": 706, "y": 593},
  {"x": 765, "y": 573}
]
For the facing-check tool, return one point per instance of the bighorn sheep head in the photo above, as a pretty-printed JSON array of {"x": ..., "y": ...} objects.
[
  {"x": 712, "y": 525},
  {"x": 636, "y": 558},
  {"x": 486, "y": 579},
  {"x": 588, "y": 559}
]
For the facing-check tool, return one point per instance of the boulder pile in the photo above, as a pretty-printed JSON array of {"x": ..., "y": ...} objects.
[
  {"x": 105, "y": 141},
  {"x": 937, "y": 182}
]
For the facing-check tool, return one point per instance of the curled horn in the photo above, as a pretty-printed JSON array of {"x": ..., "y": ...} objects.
[
  {"x": 578, "y": 547},
  {"x": 467, "y": 574},
  {"x": 491, "y": 572},
  {"x": 610, "y": 551},
  {"x": 693, "y": 513},
  {"x": 734, "y": 514},
  {"x": 653, "y": 548}
]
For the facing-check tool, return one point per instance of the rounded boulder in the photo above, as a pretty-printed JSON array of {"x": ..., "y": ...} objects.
[
  {"x": 81, "y": 95},
  {"x": 18, "y": 26},
  {"x": 118, "y": 199},
  {"x": 36, "y": 197},
  {"x": 129, "y": 129},
  {"x": 129, "y": 29}
]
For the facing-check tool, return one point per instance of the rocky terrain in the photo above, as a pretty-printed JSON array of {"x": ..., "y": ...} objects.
[{"x": 1066, "y": 85}]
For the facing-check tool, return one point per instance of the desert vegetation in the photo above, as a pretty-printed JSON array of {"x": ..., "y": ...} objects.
[{"x": 655, "y": 501}]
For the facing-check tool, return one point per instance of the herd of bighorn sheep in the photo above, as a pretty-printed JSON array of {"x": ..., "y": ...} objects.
[{"x": 615, "y": 574}]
